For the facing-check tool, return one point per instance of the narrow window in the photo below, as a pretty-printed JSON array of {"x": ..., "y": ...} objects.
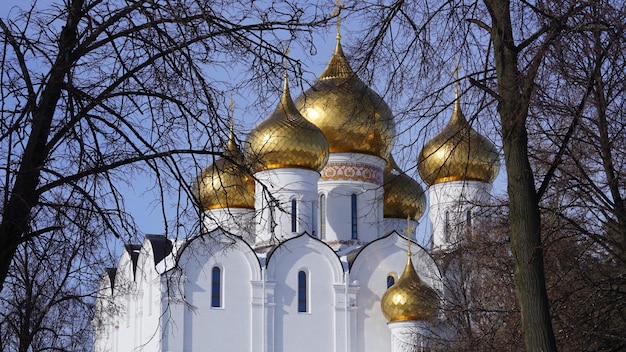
[
  {"x": 216, "y": 287},
  {"x": 323, "y": 216},
  {"x": 294, "y": 215},
  {"x": 313, "y": 221},
  {"x": 354, "y": 218},
  {"x": 468, "y": 218},
  {"x": 302, "y": 304},
  {"x": 390, "y": 281}
]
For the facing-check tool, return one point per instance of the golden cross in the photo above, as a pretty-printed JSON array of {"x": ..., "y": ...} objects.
[
  {"x": 409, "y": 229},
  {"x": 231, "y": 113},
  {"x": 455, "y": 72},
  {"x": 337, "y": 12},
  {"x": 287, "y": 50}
]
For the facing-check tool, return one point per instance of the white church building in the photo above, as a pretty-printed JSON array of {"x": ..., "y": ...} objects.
[{"x": 306, "y": 248}]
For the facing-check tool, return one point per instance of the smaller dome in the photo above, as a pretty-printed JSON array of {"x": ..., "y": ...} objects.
[
  {"x": 286, "y": 139},
  {"x": 404, "y": 197},
  {"x": 458, "y": 153},
  {"x": 225, "y": 183},
  {"x": 410, "y": 298}
]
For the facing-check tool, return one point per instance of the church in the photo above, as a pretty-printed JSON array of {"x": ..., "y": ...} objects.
[{"x": 306, "y": 236}]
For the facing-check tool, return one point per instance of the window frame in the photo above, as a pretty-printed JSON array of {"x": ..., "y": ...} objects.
[
  {"x": 217, "y": 296},
  {"x": 303, "y": 291}
]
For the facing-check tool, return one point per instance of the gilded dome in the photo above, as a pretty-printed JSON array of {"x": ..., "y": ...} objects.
[
  {"x": 352, "y": 116},
  {"x": 404, "y": 197},
  {"x": 458, "y": 153},
  {"x": 225, "y": 183},
  {"x": 410, "y": 298},
  {"x": 286, "y": 139}
]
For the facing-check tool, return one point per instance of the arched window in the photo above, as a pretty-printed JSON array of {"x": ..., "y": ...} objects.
[
  {"x": 302, "y": 292},
  {"x": 323, "y": 216},
  {"x": 354, "y": 217},
  {"x": 390, "y": 281},
  {"x": 216, "y": 287},
  {"x": 294, "y": 215}
]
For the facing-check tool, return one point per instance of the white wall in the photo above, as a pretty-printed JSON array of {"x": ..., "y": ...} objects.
[{"x": 314, "y": 330}]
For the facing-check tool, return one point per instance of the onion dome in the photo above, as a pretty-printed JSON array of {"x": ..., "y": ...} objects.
[
  {"x": 225, "y": 183},
  {"x": 286, "y": 139},
  {"x": 458, "y": 153},
  {"x": 410, "y": 298},
  {"x": 352, "y": 116},
  {"x": 404, "y": 197}
]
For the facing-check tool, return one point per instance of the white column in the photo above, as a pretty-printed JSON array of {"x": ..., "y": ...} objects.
[
  {"x": 353, "y": 307},
  {"x": 408, "y": 336},
  {"x": 258, "y": 325},
  {"x": 270, "y": 305},
  {"x": 341, "y": 318}
]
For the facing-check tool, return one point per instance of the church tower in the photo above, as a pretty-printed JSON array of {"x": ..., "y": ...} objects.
[
  {"x": 410, "y": 307},
  {"x": 459, "y": 166},
  {"x": 225, "y": 192},
  {"x": 359, "y": 128},
  {"x": 287, "y": 153}
]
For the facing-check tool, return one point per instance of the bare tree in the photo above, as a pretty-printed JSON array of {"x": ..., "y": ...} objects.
[
  {"x": 509, "y": 52},
  {"x": 98, "y": 95},
  {"x": 93, "y": 90}
]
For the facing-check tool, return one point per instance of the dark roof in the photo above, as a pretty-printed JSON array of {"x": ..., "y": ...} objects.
[
  {"x": 133, "y": 250},
  {"x": 161, "y": 247},
  {"x": 111, "y": 272}
]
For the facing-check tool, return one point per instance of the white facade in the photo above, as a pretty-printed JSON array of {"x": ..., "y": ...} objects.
[
  {"x": 245, "y": 286},
  {"x": 172, "y": 310}
]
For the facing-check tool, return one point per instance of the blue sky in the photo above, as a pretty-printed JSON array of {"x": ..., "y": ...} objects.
[{"x": 138, "y": 201}]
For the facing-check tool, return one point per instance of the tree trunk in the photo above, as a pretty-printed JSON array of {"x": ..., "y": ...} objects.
[
  {"x": 514, "y": 91},
  {"x": 16, "y": 219}
]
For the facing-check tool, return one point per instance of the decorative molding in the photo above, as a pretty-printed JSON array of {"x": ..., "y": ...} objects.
[{"x": 352, "y": 172}]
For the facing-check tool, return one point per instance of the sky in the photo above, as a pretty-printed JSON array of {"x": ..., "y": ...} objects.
[{"x": 138, "y": 201}]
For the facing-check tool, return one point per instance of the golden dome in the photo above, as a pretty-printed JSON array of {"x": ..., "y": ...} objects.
[
  {"x": 404, "y": 197},
  {"x": 225, "y": 183},
  {"x": 458, "y": 153},
  {"x": 410, "y": 298},
  {"x": 286, "y": 139},
  {"x": 352, "y": 116}
]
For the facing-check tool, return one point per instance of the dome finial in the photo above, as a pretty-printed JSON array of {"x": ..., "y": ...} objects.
[
  {"x": 231, "y": 115},
  {"x": 231, "y": 147},
  {"x": 455, "y": 72},
  {"x": 407, "y": 232},
  {"x": 457, "y": 104},
  {"x": 340, "y": 5},
  {"x": 286, "y": 101}
]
